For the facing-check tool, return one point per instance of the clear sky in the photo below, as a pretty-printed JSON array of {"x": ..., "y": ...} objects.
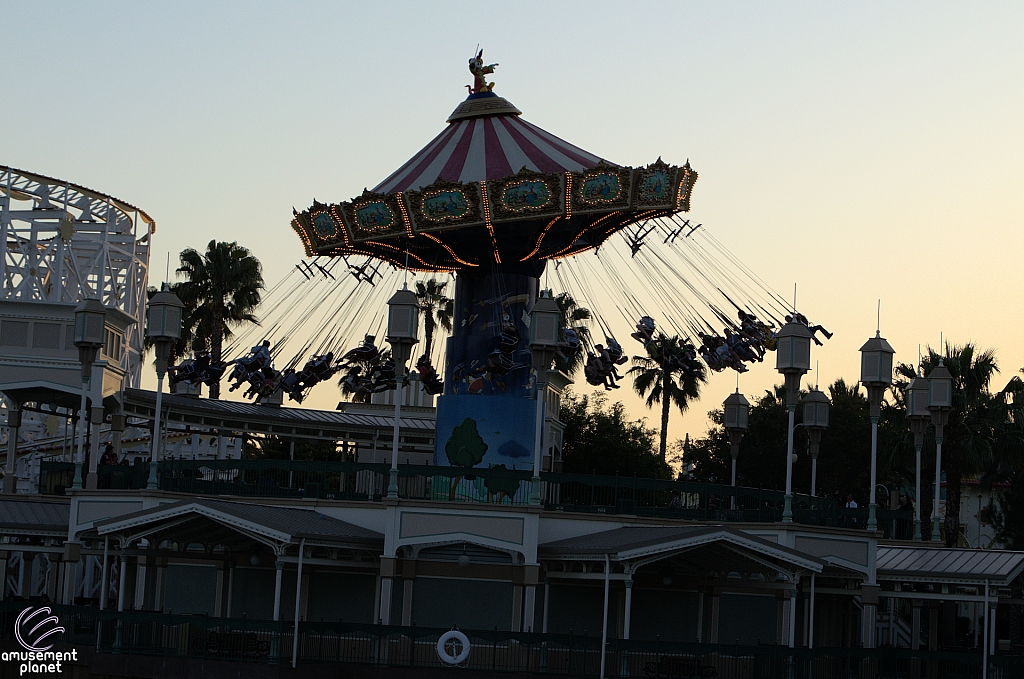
[{"x": 863, "y": 150}]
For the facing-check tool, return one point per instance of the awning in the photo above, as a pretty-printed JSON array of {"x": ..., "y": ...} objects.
[
  {"x": 945, "y": 565},
  {"x": 643, "y": 544},
  {"x": 237, "y": 524}
]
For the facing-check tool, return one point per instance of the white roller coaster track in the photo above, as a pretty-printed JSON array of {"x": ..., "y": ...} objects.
[{"x": 66, "y": 243}]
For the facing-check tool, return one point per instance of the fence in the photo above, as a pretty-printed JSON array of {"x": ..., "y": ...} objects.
[
  {"x": 559, "y": 492},
  {"x": 568, "y": 655}
]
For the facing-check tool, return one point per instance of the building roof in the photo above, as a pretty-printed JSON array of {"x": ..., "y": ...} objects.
[
  {"x": 487, "y": 146},
  {"x": 949, "y": 565},
  {"x": 244, "y": 416},
  {"x": 27, "y": 517},
  {"x": 635, "y": 542},
  {"x": 278, "y": 524}
]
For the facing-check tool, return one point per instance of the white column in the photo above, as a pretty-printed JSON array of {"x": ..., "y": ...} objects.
[
  {"x": 384, "y": 615},
  {"x": 123, "y": 574},
  {"x": 792, "y": 617},
  {"x": 628, "y": 611},
  {"x": 529, "y": 608},
  {"x": 298, "y": 604},
  {"x": 936, "y": 519},
  {"x": 140, "y": 583},
  {"x": 700, "y": 616},
  {"x": 105, "y": 574},
  {"x": 231, "y": 589},
  {"x": 279, "y": 565},
  {"x": 984, "y": 662},
  {"x": 604, "y": 622},
  {"x": 810, "y": 634},
  {"x": 547, "y": 599}
]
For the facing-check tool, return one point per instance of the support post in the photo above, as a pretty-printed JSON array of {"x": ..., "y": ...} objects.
[
  {"x": 95, "y": 420},
  {"x": 279, "y": 565},
  {"x": 872, "y": 507},
  {"x": 918, "y": 442},
  {"x": 298, "y": 603},
  {"x": 547, "y": 599},
  {"x": 984, "y": 662},
  {"x": 151, "y": 483},
  {"x": 936, "y": 519},
  {"x": 398, "y": 351},
  {"x": 628, "y": 609},
  {"x": 105, "y": 575},
  {"x": 604, "y": 620},
  {"x": 810, "y": 624},
  {"x": 122, "y": 578},
  {"x": 538, "y": 436},
  {"x": 82, "y": 424},
  {"x": 787, "y": 511},
  {"x": 10, "y": 478}
]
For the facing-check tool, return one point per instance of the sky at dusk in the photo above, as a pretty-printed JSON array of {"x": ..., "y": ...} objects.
[{"x": 863, "y": 151}]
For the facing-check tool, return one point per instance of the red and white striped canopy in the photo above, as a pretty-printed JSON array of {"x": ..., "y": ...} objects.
[{"x": 486, "y": 146}]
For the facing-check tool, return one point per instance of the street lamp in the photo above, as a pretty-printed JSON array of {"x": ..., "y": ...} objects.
[
  {"x": 90, "y": 319},
  {"x": 163, "y": 329},
  {"x": 403, "y": 326},
  {"x": 940, "y": 402},
  {"x": 919, "y": 416},
  {"x": 736, "y": 413},
  {"x": 816, "y": 407},
  {"x": 875, "y": 374},
  {"x": 543, "y": 344},
  {"x": 792, "y": 359}
]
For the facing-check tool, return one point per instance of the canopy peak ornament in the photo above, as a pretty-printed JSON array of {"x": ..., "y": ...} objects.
[{"x": 477, "y": 68}]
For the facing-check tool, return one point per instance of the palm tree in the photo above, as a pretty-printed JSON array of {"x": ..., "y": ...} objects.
[
  {"x": 223, "y": 287},
  {"x": 666, "y": 381},
  {"x": 437, "y": 308},
  {"x": 572, "y": 315},
  {"x": 975, "y": 421}
]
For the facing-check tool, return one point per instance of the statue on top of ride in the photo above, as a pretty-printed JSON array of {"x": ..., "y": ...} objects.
[
  {"x": 200, "y": 369},
  {"x": 600, "y": 366},
  {"x": 432, "y": 384},
  {"x": 477, "y": 68}
]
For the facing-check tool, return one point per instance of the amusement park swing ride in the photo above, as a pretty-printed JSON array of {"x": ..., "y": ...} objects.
[{"x": 497, "y": 203}]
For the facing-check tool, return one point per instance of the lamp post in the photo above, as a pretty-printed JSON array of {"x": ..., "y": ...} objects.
[
  {"x": 403, "y": 326},
  {"x": 940, "y": 402},
  {"x": 816, "y": 409},
  {"x": 90, "y": 318},
  {"x": 163, "y": 329},
  {"x": 543, "y": 344},
  {"x": 919, "y": 416},
  {"x": 792, "y": 359},
  {"x": 876, "y": 375},
  {"x": 736, "y": 413}
]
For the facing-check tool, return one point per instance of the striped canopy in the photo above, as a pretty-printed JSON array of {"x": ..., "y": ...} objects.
[{"x": 481, "y": 145}]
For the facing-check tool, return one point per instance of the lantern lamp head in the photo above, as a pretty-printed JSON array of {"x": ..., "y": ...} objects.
[
  {"x": 940, "y": 388},
  {"x": 403, "y": 316},
  {"x": 793, "y": 349},
  {"x": 916, "y": 395},
  {"x": 90, "y": 318},
  {"x": 544, "y": 322},
  {"x": 816, "y": 409},
  {"x": 163, "y": 317},
  {"x": 736, "y": 412},
  {"x": 876, "y": 362}
]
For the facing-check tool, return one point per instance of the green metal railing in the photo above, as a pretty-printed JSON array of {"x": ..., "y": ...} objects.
[
  {"x": 629, "y": 495},
  {"x": 572, "y": 655}
]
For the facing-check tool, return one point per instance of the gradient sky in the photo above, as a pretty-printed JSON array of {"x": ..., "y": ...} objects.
[{"x": 862, "y": 150}]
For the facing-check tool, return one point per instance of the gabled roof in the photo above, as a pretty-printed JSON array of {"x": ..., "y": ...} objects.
[
  {"x": 636, "y": 542},
  {"x": 34, "y": 516},
  {"x": 949, "y": 565},
  {"x": 278, "y": 524}
]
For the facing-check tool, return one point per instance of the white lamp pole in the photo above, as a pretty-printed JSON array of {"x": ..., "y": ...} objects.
[
  {"x": 90, "y": 320},
  {"x": 163, "y": 328},
  {"x": 792, "y": 359},
  {"x": 735, "y": 417},
  {"x": 875, "y": 374},
  {"x": 940, "y": 402},
  {"x": 919, "y": 416},
  {"x": 816, "y": 410},
  {"x": 403, "y": 326}
]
